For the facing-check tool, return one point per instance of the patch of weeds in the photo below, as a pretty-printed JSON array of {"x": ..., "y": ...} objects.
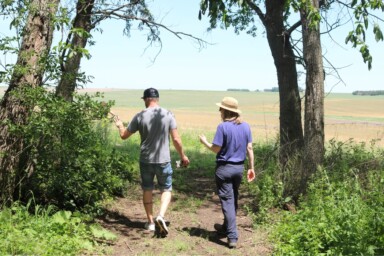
[
  {"x": 336, "y": 218},
  {"x": 179, "y": 247},
  {"x": 55, "y": 233},
  {"x": 189, "y": 204}
]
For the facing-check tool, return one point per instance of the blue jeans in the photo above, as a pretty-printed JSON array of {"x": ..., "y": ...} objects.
[
  {"x": 228, "y": 179},
  {"x": 163, "y": 173}
]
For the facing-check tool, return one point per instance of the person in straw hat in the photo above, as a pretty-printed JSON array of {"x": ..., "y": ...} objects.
[{"x": 232, "y": 143}]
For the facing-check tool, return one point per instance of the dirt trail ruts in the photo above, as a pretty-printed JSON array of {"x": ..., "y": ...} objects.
[{"x": 191, "y": 229}]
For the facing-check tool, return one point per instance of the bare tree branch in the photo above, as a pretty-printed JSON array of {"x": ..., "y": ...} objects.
[
  {"x": 293, "y": 28},
  {"x": 258, "y": 11},
  {"x": 114, "y": 15},
  {"x": 352, "y": 8}
]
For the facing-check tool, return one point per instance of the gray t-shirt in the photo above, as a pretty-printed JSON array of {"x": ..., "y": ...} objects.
[{"x": 154, "y": 125}]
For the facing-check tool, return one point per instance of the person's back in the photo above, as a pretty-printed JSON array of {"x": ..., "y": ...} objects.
[
  {"x": 154, "y": 125},
  {"x": 233, "y": 139}
]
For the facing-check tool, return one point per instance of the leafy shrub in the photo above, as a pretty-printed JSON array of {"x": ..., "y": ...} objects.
[
  {"x": 343, "y": 211},
  {"x": 71, "y": 162},
  {"x": 267, "y": 189},
  {"x": 46, "y": 232},
  {"x": 346, "y": 158}
]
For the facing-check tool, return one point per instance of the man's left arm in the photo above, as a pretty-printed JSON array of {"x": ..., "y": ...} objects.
[{"x": 176, "y": 140}]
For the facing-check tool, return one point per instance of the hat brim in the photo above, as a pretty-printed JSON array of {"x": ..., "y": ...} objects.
[
  {"x": 149, "y": 97},
  {"x": 229, "y": 109}
]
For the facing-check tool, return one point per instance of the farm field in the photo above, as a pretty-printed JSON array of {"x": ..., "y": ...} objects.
[{"x": 360, "y": 118}]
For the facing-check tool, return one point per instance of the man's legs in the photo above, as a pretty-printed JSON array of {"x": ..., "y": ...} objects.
[
  {"x": 164, "y": 179},
  {"x": 148, "y": 205},
  {"x": 160, "y": 222},
  {"x": 147, "y": 172},
  {"x": 165, "y": 200}
]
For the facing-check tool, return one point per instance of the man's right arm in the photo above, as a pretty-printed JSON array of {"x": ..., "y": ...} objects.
[{"x": 123, "y": 131}]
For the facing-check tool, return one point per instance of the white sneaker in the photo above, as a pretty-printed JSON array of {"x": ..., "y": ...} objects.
[
  {"x": 149, "y": 226},
  {"x": 161, "y": 224}
]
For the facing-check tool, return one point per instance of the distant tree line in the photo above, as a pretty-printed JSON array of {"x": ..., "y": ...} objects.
[
  {"x": 273, "y": 89},
  {"x": 237, "y": 90},
  {"x": 370, "y": 93}
]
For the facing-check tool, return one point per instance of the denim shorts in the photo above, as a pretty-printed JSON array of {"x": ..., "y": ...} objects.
[{"x": 163, "y": 173}]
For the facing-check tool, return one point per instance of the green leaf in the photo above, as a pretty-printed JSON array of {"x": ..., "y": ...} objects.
[
  {"x": 378, "y": 33},
  {"x": 349, "y": 37},
  {"x": 359, "y": 29},
  {"x": 61, "y": 217},
  {"x": 102, "y": 233},
  {"x": 366, "y": 21}
]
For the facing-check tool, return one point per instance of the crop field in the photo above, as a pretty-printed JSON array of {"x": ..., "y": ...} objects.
[{"x": 360, "y": 118}]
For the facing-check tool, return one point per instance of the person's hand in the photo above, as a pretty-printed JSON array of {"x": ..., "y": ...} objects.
[
  {"x": 185, "y": 161},
  {"x": 251, "y": 175},
  {"x": 119, "y": 124},
  {"x": 203, "y": 139}
]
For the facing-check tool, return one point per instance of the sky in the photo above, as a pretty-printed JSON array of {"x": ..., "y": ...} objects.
[{"x": 227, "y": 61}]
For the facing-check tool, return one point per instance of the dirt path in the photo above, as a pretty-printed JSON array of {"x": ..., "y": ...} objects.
[{"x": 191, "y": 218}]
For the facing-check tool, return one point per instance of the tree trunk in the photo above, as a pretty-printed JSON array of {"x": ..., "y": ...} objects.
[
  {"x": 314, "y": 96},
  {"x": 291, "y": 131},
  {"x": 71, "y": 65},
  {"x": 29, "y": 70}
]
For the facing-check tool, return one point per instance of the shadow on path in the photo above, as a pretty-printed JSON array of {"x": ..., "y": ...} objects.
[
  {"x": 203, "y": 233},
  {"x": 121, "y": 223}
]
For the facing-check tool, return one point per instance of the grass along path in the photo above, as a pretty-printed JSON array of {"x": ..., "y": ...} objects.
[{"x": 194, "y": 209}]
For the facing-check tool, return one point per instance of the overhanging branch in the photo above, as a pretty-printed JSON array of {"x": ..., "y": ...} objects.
[
  {"x": 113, "y": 14},
  {"x": 258, "y": 11}
]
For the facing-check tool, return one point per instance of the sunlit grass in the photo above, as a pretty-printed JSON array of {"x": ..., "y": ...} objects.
[
  {"x": 188, "y": 204},
  {"x": 45, "y": 232}
]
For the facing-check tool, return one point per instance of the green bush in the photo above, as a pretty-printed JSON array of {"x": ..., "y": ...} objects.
[
  {"x": 343, "y": 212},
  {"x": 267, "y": 189},
  {"x": 46, "y": 232},
  {"x": 350, "y": 158},
  {"x": 72, "y": 163}
]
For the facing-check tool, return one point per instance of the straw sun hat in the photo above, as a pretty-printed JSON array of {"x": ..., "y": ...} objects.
[{"x": 230, "y": 104}]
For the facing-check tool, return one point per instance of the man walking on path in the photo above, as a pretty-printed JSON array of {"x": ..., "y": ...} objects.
[{"x": 156, "y": 125}]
